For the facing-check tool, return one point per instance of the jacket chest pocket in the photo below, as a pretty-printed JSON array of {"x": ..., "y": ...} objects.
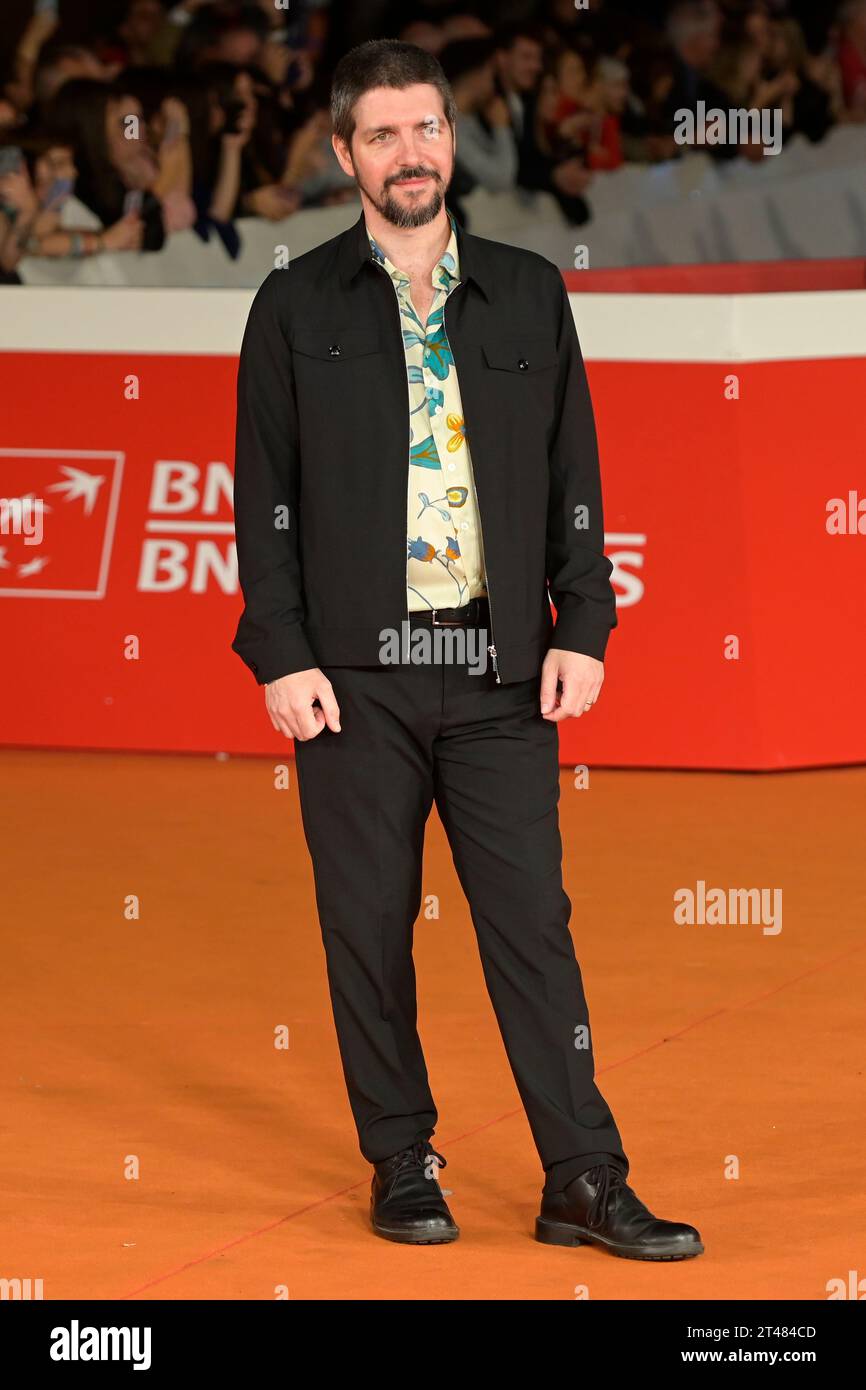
[
  {"x": 520, "y": 354},
  {"x": 519, "y": 385},
  {"x": 343, "y": 389},
  {"x": 335, "y": 345}
]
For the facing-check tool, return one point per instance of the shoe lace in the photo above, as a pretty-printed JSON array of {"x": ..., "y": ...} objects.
[
  {"x": 416, "y": 1156},
  {"x": 608, "y": 1177}
]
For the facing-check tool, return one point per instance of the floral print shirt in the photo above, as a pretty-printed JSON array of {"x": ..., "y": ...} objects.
[{"x": 445, "y": 553}]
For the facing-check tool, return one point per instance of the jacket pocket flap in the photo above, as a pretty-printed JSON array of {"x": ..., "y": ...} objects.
[
  {"x": 335, "y": 344},
  {"x": 536, "y": 350}
]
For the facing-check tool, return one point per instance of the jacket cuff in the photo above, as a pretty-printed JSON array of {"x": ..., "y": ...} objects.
[
  {"x": 577, "y": 630},
  {"x": 282, "y": 653}
]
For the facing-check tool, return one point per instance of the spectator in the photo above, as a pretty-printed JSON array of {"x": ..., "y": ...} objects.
[
  {"x": 567, "y": 104},
  {"x": 139, "y": 32},
  {"x": 246, "y": 154},
  {"x": 735, "y": 71},
  {"x": 519, "y": 59},
  {"x": 647, "y": 134},
  {"x": 520, "y": 62},
  {"x": 852, "y": 57},
  {"x": 40, "y": 27},
  {"x": 693, "y": 32},
  {"x": 118, "y": 170},
  {"x": 312, "y": 166},
  {"x": 572, "y": 79},
  {"x": 58, "y": 63},
  {"x": 486, "y": 151},
  {"x": 610, "y": 98},
  {"x": 32, "y": 197},
  {"x": 167, "y": 126},
  {"x": 223, "y": 33},
  {"x": 815, "y": 102},
  {"x": 558, "y": 160},
  {"x": 750, "y": 21},
  {"x": 231, "y": 98},
  {"x": 736, "y": 74}
]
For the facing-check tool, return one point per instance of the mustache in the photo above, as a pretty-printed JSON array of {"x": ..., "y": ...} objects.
[{"x": 416, "y": 174}]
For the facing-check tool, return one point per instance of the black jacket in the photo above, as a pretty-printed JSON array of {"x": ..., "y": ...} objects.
[{"x": 322, "y": 457}]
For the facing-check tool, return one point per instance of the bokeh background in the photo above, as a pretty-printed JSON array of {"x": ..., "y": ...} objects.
[{"x": 565, "y": 139}]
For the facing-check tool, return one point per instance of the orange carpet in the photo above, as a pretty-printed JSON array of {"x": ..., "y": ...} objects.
[{"x": 157, "y": 1145}]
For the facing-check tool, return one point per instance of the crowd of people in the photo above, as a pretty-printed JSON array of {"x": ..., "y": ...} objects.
[{"x": 170, "y": 116}]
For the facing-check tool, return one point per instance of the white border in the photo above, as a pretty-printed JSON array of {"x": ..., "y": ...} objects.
[{"x": 611, "y": 327}]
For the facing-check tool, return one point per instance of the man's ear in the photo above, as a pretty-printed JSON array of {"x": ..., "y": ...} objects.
[{"x": 343, "y": 153}]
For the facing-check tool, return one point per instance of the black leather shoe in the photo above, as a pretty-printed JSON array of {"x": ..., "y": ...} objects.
[
  {"x": 405, "y": 1204},
  {"x": 599, "y": 1208}
]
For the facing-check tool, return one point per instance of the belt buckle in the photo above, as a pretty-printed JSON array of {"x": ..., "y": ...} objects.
[{"x": 436, "y": 623}]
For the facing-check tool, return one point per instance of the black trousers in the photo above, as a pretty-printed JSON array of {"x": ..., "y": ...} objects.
[{"x": 411, "y": 735}]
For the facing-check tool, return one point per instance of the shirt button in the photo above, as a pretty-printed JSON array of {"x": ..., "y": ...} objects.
[
  {"x": 523, "y": 364},
  {"x": 451, "y": 467},
  {"x": 464, "y": 526}
]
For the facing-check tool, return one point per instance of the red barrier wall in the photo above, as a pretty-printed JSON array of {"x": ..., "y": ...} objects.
[{"x": 741, "y": 617}]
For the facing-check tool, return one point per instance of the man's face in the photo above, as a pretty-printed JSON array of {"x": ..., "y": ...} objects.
[
  {"x": 523, "y": 64},
  {"x": 402, "y": 153}
]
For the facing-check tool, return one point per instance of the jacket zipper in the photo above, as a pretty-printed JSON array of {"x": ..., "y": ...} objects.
[
  {"x": 492, "y": 648},
  {"x": 408, "y": 417}
]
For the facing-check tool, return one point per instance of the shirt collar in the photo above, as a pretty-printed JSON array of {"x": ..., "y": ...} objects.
[
  {"x": 446, "y": 271},
  {"x": 355, "y": 251}
]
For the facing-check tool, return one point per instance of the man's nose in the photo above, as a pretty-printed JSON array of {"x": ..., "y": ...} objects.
[{"x": 412, "y": 150}]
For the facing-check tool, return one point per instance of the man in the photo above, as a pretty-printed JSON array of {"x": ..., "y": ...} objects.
[
  {"x": 694, "y": 29},
  {"x": 519, "y": 60},
  {"x": 370, "y": 368},
  {"x": 488, "y": 154}
]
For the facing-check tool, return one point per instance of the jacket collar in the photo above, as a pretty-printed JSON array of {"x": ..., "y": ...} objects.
[{"x": 355, "y": 251}]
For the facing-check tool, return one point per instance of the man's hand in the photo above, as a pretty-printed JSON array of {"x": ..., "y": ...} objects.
[
  {"x": 581, "y": 678},
  {"x": 290, "y": 699}
]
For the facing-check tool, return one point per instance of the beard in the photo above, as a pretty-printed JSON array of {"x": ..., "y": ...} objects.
[{"x": 425, "y": 208}]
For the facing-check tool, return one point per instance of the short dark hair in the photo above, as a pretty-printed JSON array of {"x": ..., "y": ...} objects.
[{"x": 383, "y": 63}]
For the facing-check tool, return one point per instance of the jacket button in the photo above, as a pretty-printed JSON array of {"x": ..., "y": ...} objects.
[
  {"x": 334, "y": 349},
  {"x": 523, "y": 364}
]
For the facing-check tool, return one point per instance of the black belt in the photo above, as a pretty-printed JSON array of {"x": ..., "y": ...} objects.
[{"x": 475, "y": 613}]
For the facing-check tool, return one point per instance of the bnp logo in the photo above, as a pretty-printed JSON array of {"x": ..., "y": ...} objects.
[{"x": 58, "y": 509}]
